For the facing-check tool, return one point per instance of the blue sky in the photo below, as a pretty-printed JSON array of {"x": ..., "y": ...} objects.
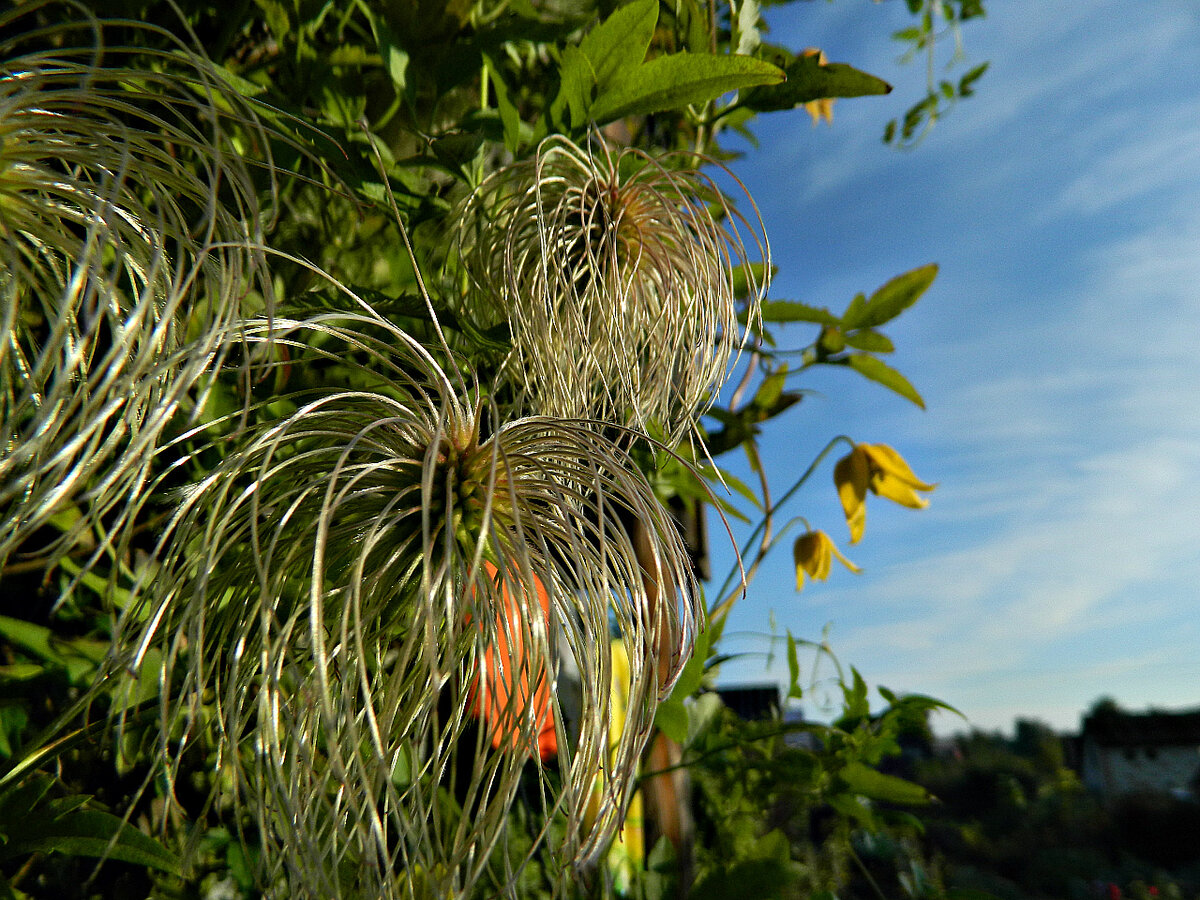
[{"x": 1058, "y": 353}]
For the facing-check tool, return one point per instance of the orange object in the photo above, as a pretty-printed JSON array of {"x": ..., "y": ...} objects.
[{"x": 507, "y": 697}]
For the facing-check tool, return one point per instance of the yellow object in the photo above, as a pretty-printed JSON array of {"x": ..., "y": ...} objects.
[
  {"x": 823, "y": 108},
  {"x": 813, "y": 553},
  {"x": 627, "y": 852},
  {"x": 882, "y": 470}
]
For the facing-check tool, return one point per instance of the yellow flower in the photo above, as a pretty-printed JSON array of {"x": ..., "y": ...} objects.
[
  {"x": 884, "y": 471},
  {"x": 814, "y": 552}
]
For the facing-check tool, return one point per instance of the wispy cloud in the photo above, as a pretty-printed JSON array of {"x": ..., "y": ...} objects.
[{"x": 1058, "y": 355}]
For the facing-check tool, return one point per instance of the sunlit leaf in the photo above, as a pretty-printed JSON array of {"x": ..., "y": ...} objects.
[
  {"x": 619, "y": 43},
  {"x": 808, "y": 79},
  {"x": 671, "y": 719},
  {"x": 794, "y": 311},
  {"x": 894, "y": 297},
  {"x": 675, "y": 81},
  {"x": 870, "y": 341},
  {"x": 771, "y": 389},
  {"x": 878, "y": 371}
]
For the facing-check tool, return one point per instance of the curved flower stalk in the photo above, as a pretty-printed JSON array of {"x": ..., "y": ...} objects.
[
  {"x": 127, "y": 225},
  {"x": 618, "y": 274},
  {"x": 335, "y": 585}
]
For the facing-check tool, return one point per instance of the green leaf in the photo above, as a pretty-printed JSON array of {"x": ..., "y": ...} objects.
[
  {"x": 868, "y": 782},
  {"x": 701, "y": 713},
  {"x": 895, "y": 297},
  {"x": 771, "y": 389},
  {"x": 510, "y": 119},
  {"x": 91, "y": 832},
  {"x": 871, "y": 341},
  {"x": 966, "y": 84},
  {"x": 793, "y": 661},
  {"x": 852, "y": 807},
  {"x": 574, "y": 91},
  {"x": 794, "y": 311},
  {"x": 855, "y": 697},
  {"x": 808, "y": 80},
  {"x": 854, "y": 312},
  {"x": 675, "y": 81},
  {"x": 671, "y": 719},
  {"x": 33, "y": 639},
  {"x": 619, "y": 43},
  {"x": 742, "y": 278},
  {"x": 877, "y": 370},
  {"x": 693, "y": 670},
  {"x": 395, "y": 58},
  {"x": 749, "y": 36},
  {"x": 721, "y": 476}
]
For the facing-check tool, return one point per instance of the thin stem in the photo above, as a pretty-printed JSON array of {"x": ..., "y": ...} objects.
[{"x": 721, "y": 609}]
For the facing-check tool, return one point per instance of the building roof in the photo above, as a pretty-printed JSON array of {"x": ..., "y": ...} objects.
[{"x": 1113, "y": 728}]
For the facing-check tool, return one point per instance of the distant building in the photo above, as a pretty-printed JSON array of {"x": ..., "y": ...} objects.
[
  {"x": 1126, "y": 753},
  {"x": 752, "y": 701}
]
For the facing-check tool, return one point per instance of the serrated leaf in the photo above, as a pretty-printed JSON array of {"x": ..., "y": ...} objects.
[
  {"x": 808, "y": 79},
  {"x": 868, "y": 782},
  {"x": 678, "y": 80},
  {"x": 794, "y": 311},
  {"x": 871, "y": 341},
  {"x": 878, "y": 371},
  {"x": 619, "y": 43}
]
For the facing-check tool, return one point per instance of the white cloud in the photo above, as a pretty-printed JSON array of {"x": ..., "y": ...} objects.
[{"x": 1058, "y": 559}]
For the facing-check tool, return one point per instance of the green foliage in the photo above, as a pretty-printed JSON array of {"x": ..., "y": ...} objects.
[
  {"x": 802, "y": 810},
  {"x": 935, "y": 21}
]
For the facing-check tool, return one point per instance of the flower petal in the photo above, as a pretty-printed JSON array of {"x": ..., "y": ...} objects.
[
  {"x": 887, "y": 460},
  {"x": 852, "y": 477}
]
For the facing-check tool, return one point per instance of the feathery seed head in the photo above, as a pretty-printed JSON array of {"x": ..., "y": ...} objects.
[
  {"x": 127, "y": 220},
  {"x": 616, "y": 274},
  {"x": 342, "y": 583}
]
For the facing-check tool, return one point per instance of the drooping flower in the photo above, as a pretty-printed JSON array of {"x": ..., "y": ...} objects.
[
  {"x": 883, "y": 471},
  {"x": 813, "y": 553},
  {"x": 128, "y": 222},
  {"x": 617, "y": 273},
  {"x": 347, "y": 576}
]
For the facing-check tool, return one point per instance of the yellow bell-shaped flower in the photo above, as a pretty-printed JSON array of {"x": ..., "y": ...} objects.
[
  {"x": 882, "y": 470},
  {"x": 813, "y": 553}
]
